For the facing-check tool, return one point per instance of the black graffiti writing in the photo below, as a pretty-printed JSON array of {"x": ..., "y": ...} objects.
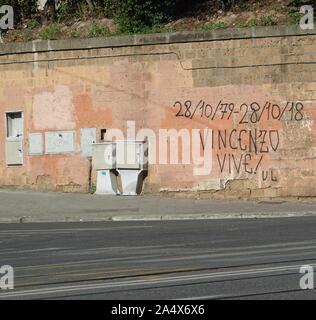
[
  {"x": 248, "y": 143},
  {"x": 269, "y": 174},
  {"x": 242, "y": 147},
  {"x": 253, "y": 140},
  {"x": 248, "y": 112},
  {"x": 232, "y": 163},
  {"x": 247, "y": 163}
]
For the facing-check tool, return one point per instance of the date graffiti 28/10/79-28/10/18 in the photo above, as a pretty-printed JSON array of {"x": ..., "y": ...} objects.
[
  {"x": 250, "y": 112},
  {"x": 242, "y": 149}
]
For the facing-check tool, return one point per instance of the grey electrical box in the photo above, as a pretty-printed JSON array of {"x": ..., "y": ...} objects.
[
  {"x": 103, "y": 156},
  {"x": 131, "y": 155},
  {"x": 35, "y": 144},
  {"x": 14, "y": 138},
  {"x": 126, "y": 160},
  {"x": 14, "y": 152},
  {"x": 59, "y": 142},
  {"x": 88, "y": 137},
  {"x": 120, "y": 155}
]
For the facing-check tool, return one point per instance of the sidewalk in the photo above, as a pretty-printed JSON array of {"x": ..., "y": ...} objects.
[{"x": 28, "y": 206}]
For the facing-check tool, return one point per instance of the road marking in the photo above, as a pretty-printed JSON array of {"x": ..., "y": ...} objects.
[
  {"x": 102, "y": 274},
  {"x": 129, "y": 283},
  {"x": 230, "y": 254},
  {"x": 150, "y": 274},
  {"x": 202, "y": 298},
  {"x": 71, "y": 230},
  {"x": 32, "y": 250},
  {"x": 91, "y": 262}
]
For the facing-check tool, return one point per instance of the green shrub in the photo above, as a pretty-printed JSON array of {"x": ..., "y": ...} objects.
[
  {"x": 51, "y": 32},
  {"x": 32, "y": 24},
  {"x": 27, "y": 35},
  {"x": 98, "y": 30},
  {"x": 137, "y": 16},
  {"x": 212, "y": 26},
  {"x": 220, "y": 25},
  {"x": 295, "y": 17},
  {"x": 251, "y": 23},
  {"x": 240, "y": 24},
  {"x": 296, "y": 3},
  {"x": 92, "y": 188},
  {"x": 64, "y": 11},
  {"x": 266, "y": 21},
  {"x": 204, "y": 26},
  {"x": 75, "y": 34},
  {"x": 167, "y": 29}
]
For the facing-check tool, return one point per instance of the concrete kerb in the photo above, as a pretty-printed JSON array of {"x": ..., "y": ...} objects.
[
  {"x": 159, "y": 217},
  {"x": 30, "y": 206},
  {"x": 213, "y": 216}
]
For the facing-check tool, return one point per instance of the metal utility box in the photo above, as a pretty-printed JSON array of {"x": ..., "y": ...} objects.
[
  {"x": 88, "y": 138},
  {"x": 103, "y": 156},
  {"x": 14, "y": 152},
  {"x": 131, "y": 155},
  {"x": 35, "y": 144},
  {"x": 125, "y": 160},
  {"x": 14, "y": 138},
  {"x": 103, "y": 160},
  {"x": 59, "y": 142},
  {"x": 106, "y": 182}
]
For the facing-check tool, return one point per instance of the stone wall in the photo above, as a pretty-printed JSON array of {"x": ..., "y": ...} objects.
[{"x": 254, "y": 88}]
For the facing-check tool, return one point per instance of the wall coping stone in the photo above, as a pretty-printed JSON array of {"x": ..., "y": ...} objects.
[{"x": 152, "y": 39}]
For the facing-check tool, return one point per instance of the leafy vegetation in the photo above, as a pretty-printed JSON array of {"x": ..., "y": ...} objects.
[
  {"x": 32, "y": 24},
  {"x": 251, "y": 23},
  {"x": 134, "y": 16},
  {"x": 98, "y": 30},
  {"x": 103, "y": 18},
  {"x": 266, "y": 21},
  {"x": 212, "y": 26},
  {"x": 295, "y": 17},
  {"x": 51, "y": 32}
]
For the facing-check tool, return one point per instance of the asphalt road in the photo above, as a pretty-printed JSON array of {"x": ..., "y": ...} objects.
[{"x": 209, "y": 259}]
